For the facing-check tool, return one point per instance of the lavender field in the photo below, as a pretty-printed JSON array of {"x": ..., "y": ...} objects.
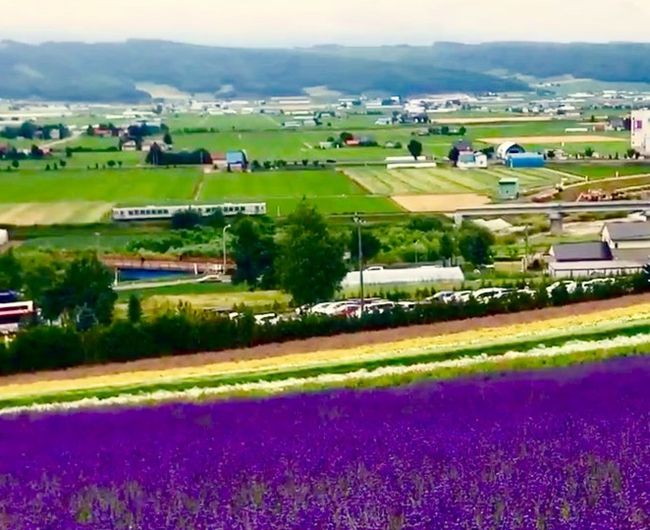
[{"x": 552, "y": 450}]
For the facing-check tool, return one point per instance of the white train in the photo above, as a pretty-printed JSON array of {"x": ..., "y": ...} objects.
[{"x": 146, "y": 213}]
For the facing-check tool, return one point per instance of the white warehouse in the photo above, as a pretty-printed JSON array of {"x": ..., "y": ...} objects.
[{"x": 424, "y": 274}]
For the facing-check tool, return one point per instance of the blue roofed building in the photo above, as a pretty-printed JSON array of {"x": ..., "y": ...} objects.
[
  {"x": 236, "y": 161},
  {"x": 525, "y": 160}
]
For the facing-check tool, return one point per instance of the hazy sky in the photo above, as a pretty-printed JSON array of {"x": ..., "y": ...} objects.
[{"x": 305, "y": 22}]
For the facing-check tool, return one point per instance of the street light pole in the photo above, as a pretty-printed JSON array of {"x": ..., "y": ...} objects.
[
  {"x": 358, "y": 222},
  {"x": 225, "y": 229}
]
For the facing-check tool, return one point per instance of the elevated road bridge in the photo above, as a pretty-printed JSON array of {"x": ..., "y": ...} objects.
[{"x": 556, "y": 211}]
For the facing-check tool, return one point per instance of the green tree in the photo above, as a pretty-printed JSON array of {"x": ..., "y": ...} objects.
[
  {"x": 370, "y": 245},
  {"x": 475, "y": 245},
  {"x": 447, "y": 247},
  {"x": 111, "y": 164},
  {"x": 462, "y": 131},
  {"x": 15, "y": 164},
  {"x": 168, "y": 139},
  {"x": 90, "y": 131},
  {"x": 589, "y": 152},
  {"x": 87, "y": 283},
  {"x": 346, "y": 136},
  {"x": 254, "y": 252},
  {"x": 135, "y": 309},
  {"x": 186, "y": 219},
  {"x": 310, "y": 259},
  {"x": 11, "y": 273},
  {"x": 216, "y": 219},
  {"x": 415, "y": 148}
]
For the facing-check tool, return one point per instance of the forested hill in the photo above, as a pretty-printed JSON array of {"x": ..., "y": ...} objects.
[
  {"x": 110, "y": 72},
  {"x": 617, "y": 62}
]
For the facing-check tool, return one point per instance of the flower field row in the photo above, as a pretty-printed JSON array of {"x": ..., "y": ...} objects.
[
  {"x": 561, "y": 449},
  {"x": 326, "y": 380},
  {"x": 401, "y": 360}
]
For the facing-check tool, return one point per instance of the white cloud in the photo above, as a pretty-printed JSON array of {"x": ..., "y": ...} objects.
[{"x": 304, "y": 22}]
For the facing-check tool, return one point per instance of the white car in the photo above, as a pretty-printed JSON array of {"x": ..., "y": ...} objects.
[
  {"x": 443, "y": 297},
  {"x": 379, "y": 307},
  {"x": 484, "y": 295},
  {"x": 321, "y": 309},
  {"x": 598, "y": 281},
  {"x": 267, "y": 318},
  {"x": 407, "y": 306},
  {"x": 461, "y": 297},
  {"x": 570, "y": 286}
]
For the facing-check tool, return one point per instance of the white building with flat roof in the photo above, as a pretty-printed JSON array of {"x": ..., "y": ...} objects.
[{"x": 641, "y": 131}]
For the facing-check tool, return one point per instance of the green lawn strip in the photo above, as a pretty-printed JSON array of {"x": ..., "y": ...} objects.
[{"x": 281, "y": 373}]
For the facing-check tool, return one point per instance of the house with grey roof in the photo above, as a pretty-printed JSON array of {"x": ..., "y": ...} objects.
[{"x": 624, "y": 249}]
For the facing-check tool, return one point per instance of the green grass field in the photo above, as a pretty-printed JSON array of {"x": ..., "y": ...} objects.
[
  {"x": 31, "y": 197},
  {"x": 132, "y": 186},
  {"x": 441, "y": 180},
  {"x": 603, "y": 172},
  {"x": 331, "y": 191}
]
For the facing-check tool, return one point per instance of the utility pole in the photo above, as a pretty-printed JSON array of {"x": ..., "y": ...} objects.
[
  {"x": 225, "y": 229},
  {"x": 358, "y": 222},
  {"x": 526, "y": 252}
]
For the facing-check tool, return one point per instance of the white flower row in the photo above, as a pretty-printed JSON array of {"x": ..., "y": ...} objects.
[{"x": 325, "y": 380}]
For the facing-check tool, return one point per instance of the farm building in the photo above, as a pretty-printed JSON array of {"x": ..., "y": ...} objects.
[
  {"x": 385, "y": 120},
  {"x": 411, "y": 275},
  {"x": 508, "y": 148},
  {"x": 525, "y": 160},
  {"x": 641, "y": 131},
  {"x": 468, "y": 160},
  {"x": 458, "y": 148},
  {"x": 630, "y": 241},
  {"x": 463, "y": 146},
  {"x": 4, "y": 237},
  {"x": 508, "y": 188},
  {"x": 624, "y": 249}
]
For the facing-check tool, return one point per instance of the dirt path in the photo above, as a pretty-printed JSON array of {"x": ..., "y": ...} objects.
[{"x": 329, "y": 343}]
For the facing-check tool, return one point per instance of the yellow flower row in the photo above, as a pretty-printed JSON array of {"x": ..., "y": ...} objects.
[{"x": 568, "y": 325}]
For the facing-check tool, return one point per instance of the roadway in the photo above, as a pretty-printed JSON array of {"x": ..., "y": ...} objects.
[{"x": 555, "y": 210}]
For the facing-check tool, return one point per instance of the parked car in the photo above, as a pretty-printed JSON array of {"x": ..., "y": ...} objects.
[
  {"x": 267, "y": 318},
  {"x": 570, "y": 286}
]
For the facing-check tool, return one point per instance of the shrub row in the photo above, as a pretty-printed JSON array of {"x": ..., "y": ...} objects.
[{"x": 186, "y": 331}]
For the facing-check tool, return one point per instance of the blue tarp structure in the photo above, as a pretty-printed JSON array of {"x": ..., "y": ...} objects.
[{"x": 524, "y": 160}]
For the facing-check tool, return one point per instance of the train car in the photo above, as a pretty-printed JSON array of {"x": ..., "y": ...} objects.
[{"x": 153, "y": 213}]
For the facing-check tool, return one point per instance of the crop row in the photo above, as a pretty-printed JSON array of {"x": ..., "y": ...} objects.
[{"x": 622, "y": 330}]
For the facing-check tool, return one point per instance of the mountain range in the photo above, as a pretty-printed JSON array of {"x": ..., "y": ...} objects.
[{"x": 112, "y": 72}]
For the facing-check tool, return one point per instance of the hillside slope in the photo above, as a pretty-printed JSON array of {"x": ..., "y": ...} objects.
[{"x": 110, "y": 72}]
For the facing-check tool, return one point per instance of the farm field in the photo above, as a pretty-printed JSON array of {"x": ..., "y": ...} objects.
[
  {"x": 328, "y": 460},
  {"x": 123, "y": 186},
  {"x": 565, "y": 138},
  {"x": 84, "y": 160},
  {"x": 440, "y": 203},
  {"x": 597, "y": 171},
  {"x": 331, "y": 191},
  {"x": 59, "y": 212},
  {"x": 72, "y": 196},
  {"x": 303, "y": 144},
  {"x": 443, "y": 180}
]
